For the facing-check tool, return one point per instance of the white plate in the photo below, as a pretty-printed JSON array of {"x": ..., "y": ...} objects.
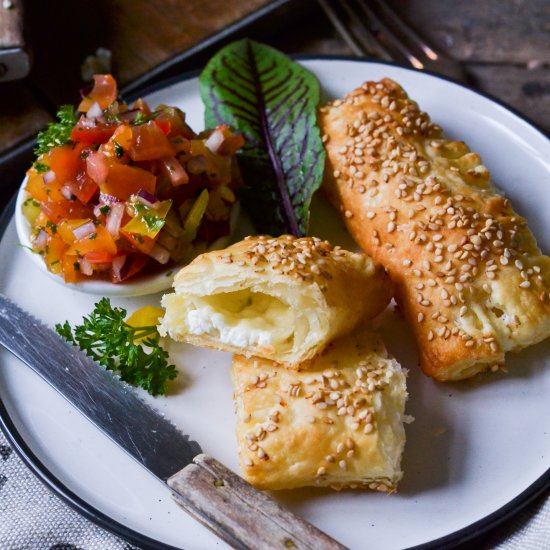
[{"x": 476, "y": 449}]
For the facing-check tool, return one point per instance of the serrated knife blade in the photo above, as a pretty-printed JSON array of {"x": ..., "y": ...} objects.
[
  {"x": 218, "y": 498},
  {"x": 106, "y": 401}
]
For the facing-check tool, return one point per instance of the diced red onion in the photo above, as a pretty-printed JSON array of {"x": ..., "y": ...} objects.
[
  {"x": 116, "y": 267},
  {"x": 67, "y": 193},
  {"x": 146, "y": 198},
  {"x": 84, "y": 230},
  {"x": 215, "y": 140},
  {"x": 175, "y": 171},
  {"x": 95, "y": 111},
  {"x": 160, "y": 254},
  {"x": 167, "y": 241},
  {"x": 107, "y": 199},
  {"x": 48, "y": 177},
  {"x": 41, "y": 240},
  {"x": 85, "y": 267},
  {"x": 114, "y": 219}
]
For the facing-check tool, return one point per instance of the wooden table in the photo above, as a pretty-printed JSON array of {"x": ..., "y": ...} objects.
[{"x": 503, "y": 45}]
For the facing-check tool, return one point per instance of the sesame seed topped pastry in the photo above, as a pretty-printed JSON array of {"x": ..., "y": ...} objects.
[
  {"x": 279, "y": 298},
  {"x": 339, "y": 424},
  {"x": 469, "y": 275}
]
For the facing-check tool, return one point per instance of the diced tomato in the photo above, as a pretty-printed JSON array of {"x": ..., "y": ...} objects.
[
  {"x": 149, "y": 143},
  {"x": 83, "y": 187},
  {"x": 123, "y": 181},
  {"x": 141, "y": 104},
  {"x": 176, "y": 120},
  {"x": 71, "y": 268},
  {"x": 65, "y": 162},
  {"x": 99, "y": 257},
  {"x": 97, "y": 167},
  {"x": 164, "y": 125},
  {"x": 137, "y": 241},
  {"x": 101, "y": 241},
  {"x": 90, "y": 133},
  {"x": 231, "y": 144},
  {"x": 64, "y": 209},
  {"x": 104, "y": 92},
  {"x": 120, "y": 142}
]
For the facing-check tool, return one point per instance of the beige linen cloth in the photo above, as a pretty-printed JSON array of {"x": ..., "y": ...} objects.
[{"x": 33, "y": 518}]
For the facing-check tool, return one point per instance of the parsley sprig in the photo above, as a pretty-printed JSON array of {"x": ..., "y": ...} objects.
[
  {"x": 108, "y": 339},
  {"x": 57, "y": 133}
]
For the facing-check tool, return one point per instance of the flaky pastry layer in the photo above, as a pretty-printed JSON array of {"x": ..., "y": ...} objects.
[
  {"x": 338, "y": 424},
  {"x": 469, "y": 275},
  {"x": 283, "y": 299}
]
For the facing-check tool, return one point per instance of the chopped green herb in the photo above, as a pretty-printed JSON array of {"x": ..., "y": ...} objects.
[
  {"x": 76, "y": 266},
  {"x": 108, "y": 339},
  {"x": 32, "y": 202},
  {"x": 40, "y": 168},
  {"x": 104, "y": 209},
  {"x": 153, "y": 223},
  {"x": 93, "y": 237},
  {"x": 52, "y": 227},
  {"x": 142, "y": 118},
  {"x": 119, "y": 151},
  {"x": 57, "y": 133}
]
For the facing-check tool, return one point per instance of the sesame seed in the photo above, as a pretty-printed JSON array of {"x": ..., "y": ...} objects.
[{"x": 525, "y": 284}]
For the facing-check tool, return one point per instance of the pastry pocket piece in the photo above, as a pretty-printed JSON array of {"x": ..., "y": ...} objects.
[
  {"x": 280, "y": 298},
  {"x": 338, "y": 424},
  {"x": 468, "y": 273}
]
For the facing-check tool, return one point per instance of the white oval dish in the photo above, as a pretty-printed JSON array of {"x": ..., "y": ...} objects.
[{"x": 476, "y": 451}]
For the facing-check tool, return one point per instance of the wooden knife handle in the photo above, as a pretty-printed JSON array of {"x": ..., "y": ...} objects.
[
  {"x": 15, "y": 60},
  {"x": 239, "y": 514}
]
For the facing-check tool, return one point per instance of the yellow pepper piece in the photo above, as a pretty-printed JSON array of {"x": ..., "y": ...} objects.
[{"x": 145, "y": 317}]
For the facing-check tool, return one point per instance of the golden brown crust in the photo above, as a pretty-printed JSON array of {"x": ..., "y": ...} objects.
[
  {"x": 469, "y": 275},
  {"x": 339, "y": 424},
  {"x": 328, "y": 289}
]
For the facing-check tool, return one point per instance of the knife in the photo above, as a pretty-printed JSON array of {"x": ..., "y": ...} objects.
[{"x": 239, "y": 514}]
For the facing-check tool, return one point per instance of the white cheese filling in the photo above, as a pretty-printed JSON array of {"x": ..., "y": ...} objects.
[{"x": 242, "y": 318}]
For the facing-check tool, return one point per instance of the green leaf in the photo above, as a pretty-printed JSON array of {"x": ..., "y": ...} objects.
[{"x": 272, "y": 101}]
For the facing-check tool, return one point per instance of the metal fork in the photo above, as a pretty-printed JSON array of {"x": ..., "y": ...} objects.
[{"x": 371, "y": 27}]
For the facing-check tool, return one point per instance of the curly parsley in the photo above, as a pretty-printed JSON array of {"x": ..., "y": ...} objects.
[
  {"x": 108, "y": 339},
  {"x": 57, "y": 133}
]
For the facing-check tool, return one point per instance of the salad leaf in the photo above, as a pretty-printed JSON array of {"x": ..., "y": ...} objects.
[
  {"x": 272, "y": 101},
  {"x": 57, "y": 133},
  {"x": 107, "y": 338}
]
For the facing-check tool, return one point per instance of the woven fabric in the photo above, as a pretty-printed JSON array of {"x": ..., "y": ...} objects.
[{"x": 33, "y": 518}]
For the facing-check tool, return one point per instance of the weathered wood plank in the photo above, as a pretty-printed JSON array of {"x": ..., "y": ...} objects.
[
  {"x": 141, "y": 34},
  {"x": 528, "y": 91},
  {"x": 515, "y": 31},
  {"x": 241, "y": 515}
]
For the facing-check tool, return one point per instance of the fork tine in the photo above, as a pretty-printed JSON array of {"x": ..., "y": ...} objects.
[
  {"x": 351, "y": 28},
  {"x": 405, "y": 29},
  {"x": 399, "y": 49}
]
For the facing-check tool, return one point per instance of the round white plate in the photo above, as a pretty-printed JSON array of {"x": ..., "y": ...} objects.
[{"x": 476, "y": 451}]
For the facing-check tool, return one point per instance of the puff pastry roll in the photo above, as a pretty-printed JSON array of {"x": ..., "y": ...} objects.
[
  {"x": 339, "y": 424},
  {"x": 469, "y": 275},
  {"x": 279, "y": 298}
]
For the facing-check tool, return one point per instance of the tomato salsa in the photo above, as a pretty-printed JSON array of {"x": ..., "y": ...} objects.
[{"x": 121, "y": 190}]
